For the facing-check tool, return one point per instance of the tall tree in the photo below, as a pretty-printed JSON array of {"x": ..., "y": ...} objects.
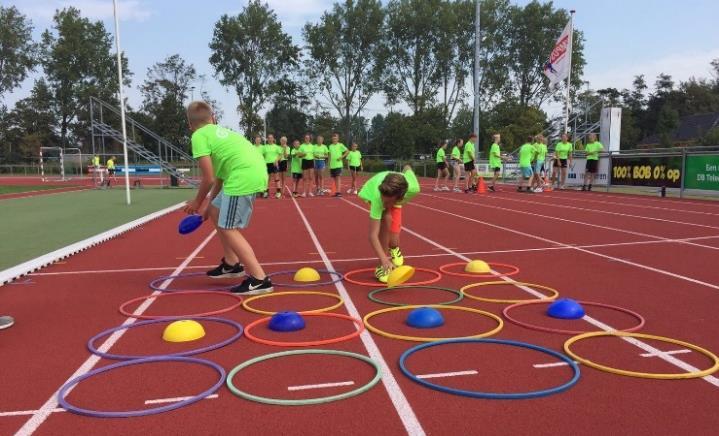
[
  {"x": 30, "y": 125},
  {"x": 79, "y": 63},
  {"x": 18, "y": 53},
  {"x": 251, "y": 52},
  {"x": 165, "y": 91},
  {"x": 347, "y": 56}
]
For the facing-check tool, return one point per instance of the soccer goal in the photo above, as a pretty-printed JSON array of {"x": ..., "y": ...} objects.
[{"x": 60, "y": 164}]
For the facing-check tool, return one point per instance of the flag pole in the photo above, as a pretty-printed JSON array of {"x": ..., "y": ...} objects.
[
  {"x": 122, "y": 100},
  {"x": 569, "y": 74},
  {"x": 477, "y": 42}
]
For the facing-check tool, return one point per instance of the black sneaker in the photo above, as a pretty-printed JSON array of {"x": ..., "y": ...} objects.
[
  {"x": 584, "y": 188},
  {"x": 519, "y": 189},
  {"x": 589, "y": 188},
  {"x": 224, "y": 271},
  {"x": 253, "y": 286},
  {"x": 337, "y": 194},
  {"x": 491, "y": 188}
]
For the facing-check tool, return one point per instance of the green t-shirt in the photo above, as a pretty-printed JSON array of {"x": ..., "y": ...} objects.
[
  {"x": 456, "y": 154},
  {"x": 370, "y": 192},
  {"x": 354, "y": 158},
  {"x": 336, "y": 151},
  {"x": 563, "y": 149},
  {"x": 271, "y": 153},
  {"x": 526, "y": 153},
  {"x": 494, "y": 160},
  {"x": 235, "y": 160},
  {"x": 295, "y": 161},
  {"x": 110, "y": 164},
  {"x": 468, "y": 155},
  {"x": 440, "y": 155},
  {"x": 593, "y": 149},
  {"x": 320, "y": 151},
  {"x": 309, "y": 150},
  {"x": 284, "y": 152},
  {"x": 541, "y": 151}
]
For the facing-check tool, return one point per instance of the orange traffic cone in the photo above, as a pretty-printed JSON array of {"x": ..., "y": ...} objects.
[
  {"x": 547, "y": 185},
  {"x": 333, "y": 188},
  {"x": 482, "y": 188}
]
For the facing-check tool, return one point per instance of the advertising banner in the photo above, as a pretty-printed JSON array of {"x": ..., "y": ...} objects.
[
  {"x": 702, "y": 172},
  {"x": 575, "y": 173},
  {"x": 655, "y": 171}
]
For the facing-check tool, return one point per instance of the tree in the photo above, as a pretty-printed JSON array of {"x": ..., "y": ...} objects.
[
  {"x": 165, "y": 91},
  {"x": 30, "y": 125},
  {"x": 78, "y": 64},
  {"x": 18, "y": 53},
  {"x": 251, "y": 52},
  {"x": 287, "y": 116},
  {"x": 667, "y": 122},
  {"x": 347, "y": 56}
]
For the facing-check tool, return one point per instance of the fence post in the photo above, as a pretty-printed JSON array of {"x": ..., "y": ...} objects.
[{"x": 683, "y": 173}]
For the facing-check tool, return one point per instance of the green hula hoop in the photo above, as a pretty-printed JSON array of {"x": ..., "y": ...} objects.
[
  {"x": 388, "y": 303},
  {"x": 306, "y": 401}
]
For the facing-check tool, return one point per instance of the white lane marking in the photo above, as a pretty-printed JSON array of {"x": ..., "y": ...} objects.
[
  {"x": 448, "y": 374},
  {"x": 177, "y": 399},
  {"x": 551, "y": 365},
  {"x": 51, "y": 404},
  {"x": 682, "y": 351},
  {"x": 319, "y": 386}
]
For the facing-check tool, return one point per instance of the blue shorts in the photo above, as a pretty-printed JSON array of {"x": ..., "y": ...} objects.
[
  {"x": 320, "y": 164},
  {"x": 235, "y": 210},
  {"x": 527, "y": 172},
  {"x": 539, "y": 167}
]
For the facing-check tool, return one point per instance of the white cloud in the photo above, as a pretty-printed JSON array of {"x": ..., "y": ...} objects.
[{"x": 43, "y": 10}]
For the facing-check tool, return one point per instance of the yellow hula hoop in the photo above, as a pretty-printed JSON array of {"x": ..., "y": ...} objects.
[
  {"x": 554, "y": 292},
  {"x": 390, "y": 335},
  {"x": 664, "y": 376},
  {"x": 246, "y": 305}
]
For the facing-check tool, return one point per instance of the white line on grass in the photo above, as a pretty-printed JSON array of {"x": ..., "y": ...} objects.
[
  {"x": 51, "y": 404},
  {"x": 448, "y": 374},
  {"x": 399, "y": 400},
  {"x": 320, "y": 386}
]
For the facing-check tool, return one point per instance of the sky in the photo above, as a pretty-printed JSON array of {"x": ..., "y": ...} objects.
[{"x": 623, "y": 38}]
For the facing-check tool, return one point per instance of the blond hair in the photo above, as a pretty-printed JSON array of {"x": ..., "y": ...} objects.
[{"x": 199, "y": 112}]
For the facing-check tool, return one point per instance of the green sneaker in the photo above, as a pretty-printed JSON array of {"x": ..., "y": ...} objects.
[
  {"x": 381, "y": 274},
  {"x": 396, "y": 255}
]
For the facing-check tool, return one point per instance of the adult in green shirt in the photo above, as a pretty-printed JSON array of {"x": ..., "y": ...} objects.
[
  {"x": 307, "y": 153},
  {"x": 469, "y": 168},
  {"x": 456, "y": 162},
  {"x": 495, "y": 160},
  {"x": 593, "y": 148},
  {"x": 526, "y": 155},
  {"x": 562, "y": 156},
  {"x": 320, "y": 153},
  {"x": 296, "y": 166},
  {"x": 271, "y": 153},
  {"x": 386, "y": 192},
  {"x": 442, "y": 172},
  {"x": 337, "y": 152},
  {"x": 354, "y": 162}
]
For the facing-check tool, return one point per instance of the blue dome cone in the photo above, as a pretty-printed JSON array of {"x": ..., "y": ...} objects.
[
  {"x": 286, "y": 322},
  {"x": 565, "y": 308},
  {"x": 425, "y": 318}
]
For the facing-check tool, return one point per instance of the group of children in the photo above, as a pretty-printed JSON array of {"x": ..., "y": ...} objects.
[
  {"x": 233, "y": 172},
  {"x": 307, "y": 164},
  {"x": 462, "y": 155}
]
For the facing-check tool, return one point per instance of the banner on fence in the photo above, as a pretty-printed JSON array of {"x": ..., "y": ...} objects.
[
  {"x": 575, "y": 171},
  {"x": 702, "y": 172},
  {"x": 655, "y": 171}
]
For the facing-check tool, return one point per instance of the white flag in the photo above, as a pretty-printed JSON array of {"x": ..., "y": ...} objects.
[{"x": 557, "y": 68}]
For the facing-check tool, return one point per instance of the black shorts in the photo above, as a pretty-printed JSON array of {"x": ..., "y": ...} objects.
[
  {"x": 335, "y": 172},
  {"x": 308, "y": 164},
  {"x": 441, "y": 165},
  {"x": 469, "y": 166},
  {"x": 354, "y": 169},
  {"x": 271, "y": 168},
  {"x": 560, "y": 163},
  {"x": 592, "y": 166},
  {"x": 283, "y": 166},
  {"x": 297, "y": 176},
  {"x": 111, "y": 171},
  {"x": 496, "y": 169}
]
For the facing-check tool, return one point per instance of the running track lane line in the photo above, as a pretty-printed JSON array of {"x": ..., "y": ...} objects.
[
  {"x": 51, "y": 404},
  {"x": 399, "y": 400},
  {"x": 595, "y": 322},
  {"x": 599, "y": 226}
]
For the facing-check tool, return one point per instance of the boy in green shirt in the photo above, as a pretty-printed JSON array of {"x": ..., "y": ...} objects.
[
  {"x": 526, "y": 154},
  {"x": 469, "y": 169},
  {"x": 354, "y": 162},
  {"x": 541, "y": 155},
  {"x": 320, "y": 152},
  {"x": 442, "y": 171},
  {"x": 495, "y": 160},
  {"x": 233, "y": 172},
  {"x": 271, "y": 153},
  {"x": 456, "y": 159},
  {"x": 337, "y": 152},
  {"x": 296, "y": 166},
  {"x": 307, "y": 153},
  {"x": 593, "y": 148},
  {"x": 386, "y": 192}
]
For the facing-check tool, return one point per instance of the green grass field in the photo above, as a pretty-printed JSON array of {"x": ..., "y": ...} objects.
[
  {"x": 14, "y": 189},
  {"x": 37, "y": 225}
]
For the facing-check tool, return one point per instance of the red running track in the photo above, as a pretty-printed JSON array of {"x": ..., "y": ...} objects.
[{"x": 654, "y": 271}]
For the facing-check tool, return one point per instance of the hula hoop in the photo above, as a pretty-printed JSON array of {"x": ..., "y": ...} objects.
[
  {"x": 540, "y": 328},
  {"x": 154, "y": 284},
  {"x": 513, "y": 270},
  {"x": 371, "y": 295},
  {"x": 491, "y": 395},
  {"x": 663, "y": 376},
  {"x": 306, "y": 401},
  {"x": 390, "y": 335},
  {"x": 132, "y": 413},
  {"x": 253, "y": 338},
  {"x": 553, "y": 291},
  {"x": 233, "y": 338},
  {"x": 338, "y": 278},
  {"x": 246, "y": 303},
  {"x": 214, "y": 312},
  {"x": 376, "y": 284}
]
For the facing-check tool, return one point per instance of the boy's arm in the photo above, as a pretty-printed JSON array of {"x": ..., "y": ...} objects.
[
  {"x": 374, "y": 228},
  {"x": 207, "y": 182}
]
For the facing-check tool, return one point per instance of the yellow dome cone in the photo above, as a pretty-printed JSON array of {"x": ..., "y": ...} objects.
[
  {"x": 477, "y": 267},
  {"x": 400, "y": 275},
  {"x": 307, "y": 274},
  {"x": 183, "y": 331}
]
